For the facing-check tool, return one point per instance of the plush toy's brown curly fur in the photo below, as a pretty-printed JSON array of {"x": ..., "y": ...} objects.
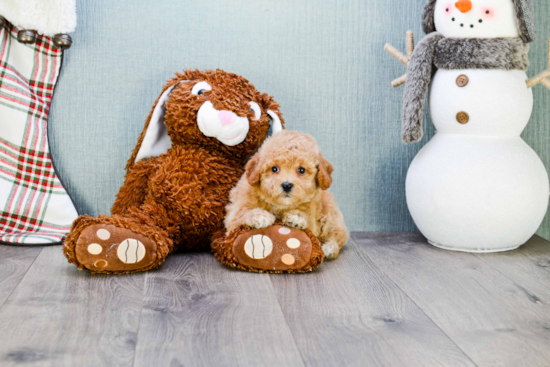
[{"x": 178, "y": 198}]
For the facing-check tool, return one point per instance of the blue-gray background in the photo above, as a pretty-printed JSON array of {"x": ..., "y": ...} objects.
[{"x": 322, "y": 60}]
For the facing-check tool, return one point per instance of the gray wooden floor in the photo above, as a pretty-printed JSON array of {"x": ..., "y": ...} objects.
[{"x": 389, "y": 300}]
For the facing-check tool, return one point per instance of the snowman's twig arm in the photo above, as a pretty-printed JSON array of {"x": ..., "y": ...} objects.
[
  {"x": 410, "y": 44},
  {"x": 402, "y": 58},
  {"x": 538, "y": 79},
  {"x": 542, "y": 77},
  {"x": 395, "y": 53},
  {"x": 399, "y": 81}
]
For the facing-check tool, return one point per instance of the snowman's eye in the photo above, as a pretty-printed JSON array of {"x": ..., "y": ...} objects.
[
  {"x": 200, "y": 88},
  {"x": 487, "y": 13}
]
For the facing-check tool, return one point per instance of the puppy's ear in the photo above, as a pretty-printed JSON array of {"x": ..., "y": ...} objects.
[
  {"x": 324, "y": 177},
  {"x": 253, "y": 170}
]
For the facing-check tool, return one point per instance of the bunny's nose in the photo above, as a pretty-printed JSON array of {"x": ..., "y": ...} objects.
[
  {"x": 464, "y": 5},
  {"x": 226, "y": 117}
]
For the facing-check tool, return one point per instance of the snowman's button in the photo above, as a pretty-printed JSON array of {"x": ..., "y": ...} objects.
[
  {"x": 462, "y": 80},
  {"x": 462, "y": 118}
]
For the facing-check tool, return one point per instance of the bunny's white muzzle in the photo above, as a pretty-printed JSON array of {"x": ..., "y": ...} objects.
[{"x": 225, "y": 126}]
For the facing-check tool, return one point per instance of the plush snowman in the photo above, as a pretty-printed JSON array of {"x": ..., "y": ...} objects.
[{"x": 476, "y": 186}]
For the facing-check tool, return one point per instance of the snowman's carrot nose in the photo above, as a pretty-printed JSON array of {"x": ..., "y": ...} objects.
[{"x": 464, "y": 5}]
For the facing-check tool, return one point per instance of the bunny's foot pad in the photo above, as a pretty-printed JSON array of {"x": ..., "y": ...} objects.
[
  {"x": 108, "y": 248},
  {"x": 276, "y": 249}
]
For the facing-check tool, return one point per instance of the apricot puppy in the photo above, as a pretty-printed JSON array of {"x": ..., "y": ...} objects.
[{"x": 287, "y": 180}]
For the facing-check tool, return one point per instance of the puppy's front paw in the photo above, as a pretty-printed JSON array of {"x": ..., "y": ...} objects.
[
  {"x": 295, "y": 221},
  {"x": 331, "y": 250},
  {"x": 259, "y": 218}
]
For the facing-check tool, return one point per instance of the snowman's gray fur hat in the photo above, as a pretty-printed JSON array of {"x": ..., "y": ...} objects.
[{"x": 524, "y": 11}]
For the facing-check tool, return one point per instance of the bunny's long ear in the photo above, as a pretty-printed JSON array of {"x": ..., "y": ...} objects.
[
  {"x": 154, "y": 139},
  {"x": 276, "y": 124}
]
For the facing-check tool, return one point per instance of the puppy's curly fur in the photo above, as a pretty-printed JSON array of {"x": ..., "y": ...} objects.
[{"x": 293, "y": 160}]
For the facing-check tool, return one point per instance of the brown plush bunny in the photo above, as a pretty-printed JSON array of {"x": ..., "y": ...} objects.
[{"x": 197, "y": 138}]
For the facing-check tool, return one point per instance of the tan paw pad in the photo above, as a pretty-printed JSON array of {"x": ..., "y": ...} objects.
[
  {"x": 258, "y": 247},
  {"x": 293, "y": 243},
  {"x": 284, "y": 230},
  {"x": 288, "y": 259},
  {"x": 103, "y": 234},
  {"x": 131, "y": 251},
  {"x": 95, "y": 249},
  {"x": 101, "y": 263}
]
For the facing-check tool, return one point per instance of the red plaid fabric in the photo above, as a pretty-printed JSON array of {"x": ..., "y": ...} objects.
[{"x": 34, "y": 206}]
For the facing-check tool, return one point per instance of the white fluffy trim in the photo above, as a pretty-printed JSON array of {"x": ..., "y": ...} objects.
[{"x": 47, "y": 17}]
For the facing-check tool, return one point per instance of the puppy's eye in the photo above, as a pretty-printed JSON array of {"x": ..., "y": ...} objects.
[
  {"x": 301, "y": 170},
  {"x": 275, "y": 169},
  {"x": 200, "y": 88}
]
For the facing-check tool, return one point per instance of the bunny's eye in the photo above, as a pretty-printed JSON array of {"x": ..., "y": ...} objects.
[
  {"x": 275, "y": 169},
  {"x": 257, "y": 110},
  {"x": 200, "y": 88}
]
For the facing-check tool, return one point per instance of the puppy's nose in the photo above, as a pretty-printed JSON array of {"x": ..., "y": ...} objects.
[{"x": 287, "y": 186}]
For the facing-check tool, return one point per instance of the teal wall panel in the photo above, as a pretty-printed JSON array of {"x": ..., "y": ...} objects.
[{"x": 322, "y": 60}]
